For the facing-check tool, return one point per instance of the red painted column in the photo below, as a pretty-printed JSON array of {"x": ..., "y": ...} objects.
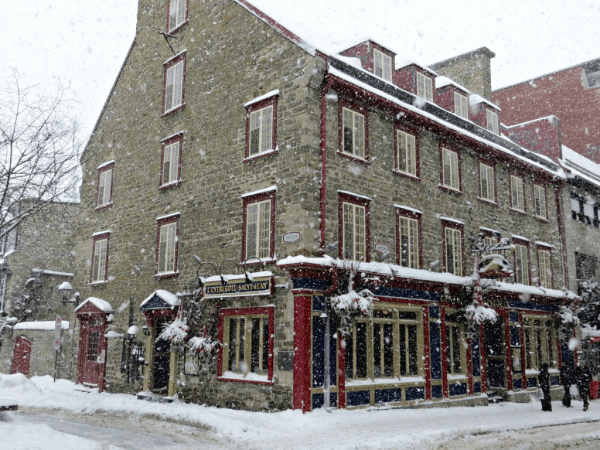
[
  {"x": 302, "y": 352},
  {"x": 470, "y": 366},
  {"x": 444, "y": 352},
  {"x": 523, "y": 355},
  {"x": 341, "y": 371},
  {"x": 482, "y": 359},
  {"x": 426, "y": 350}
]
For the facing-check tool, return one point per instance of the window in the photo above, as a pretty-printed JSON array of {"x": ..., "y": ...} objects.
[
  {"x": 177, "y": 14},
  {"x": 539, "y": 201},
  {"x": 174, "y": 83},
  {"x": 8, "y": 242},
  {"x": 517, "y": 198},
  {"x": 492, "y": 121},
  {"x": 105, "y": 173},
  {"x": 487, "y": 182},
  {"x": 408, "y": 223},
  {"x": 407, "y": 153},
  {"x": 353, "y": 135},
  {"x": 354, "y": 220},
  {"x": 167, "y": 242},
  {"x": 585, "y": 210},
  {"x": 540, "y": 343},
  {"x": 424, "y": 87},
  {"x": 3, "y": 282},
  {"x": 99, "y": 257},
  {"x": 461, "y": 106},
  {"x": 382, "y": 65},
  {"x": 521, "y": 261},
  {"x": 545, "y": 267},
  {"x": 454, "y": 345},
  {"x": 170, "y": 172},
  {"x": 247, "y": 337},
  {"x": 261, "y": 126},
  {"x": 259, "y": 225},
  {"x": 450, "y": 170},
  {"x": 373, "y": 346},
  {"x": 453, "y": 246}
]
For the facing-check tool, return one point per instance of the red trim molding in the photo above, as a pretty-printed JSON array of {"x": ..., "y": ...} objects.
[
  {"x": 166, "y": 66},
  {"x": 269, "y": 101},
  {"x": 102, "y": 170},
  {"x": 410, "y": 214},
  {"x": 353, "y": 106},
  {"x": 491, "y": 164},
  {"x": 455, "y": 226},
  {"x": 161, "y": 222},
  {"x": 415, "y": 133},
  {"x": 178, "y": 27},
  {"x": 270, "y": 195},
  {"x": 302, "y": 353},
  {"x": 360, "y": 201},
  {"x": 100, "y": 237},
  {"x": 176, "y": 138},
  {"x": 455, "y": 149}
]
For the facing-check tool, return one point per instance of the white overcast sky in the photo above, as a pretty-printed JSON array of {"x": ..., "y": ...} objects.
[{"x": 84, "y": 42}]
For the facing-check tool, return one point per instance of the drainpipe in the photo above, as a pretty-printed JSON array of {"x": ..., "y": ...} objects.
[
  {"x": 561, "y": 233},
  {"x": 323, "y": 147}
]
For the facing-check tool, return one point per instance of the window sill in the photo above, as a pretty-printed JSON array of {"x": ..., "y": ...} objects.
[
  {"x": 249, "y": 378},
  {"x": 98, "y": 283},
  {"x": 108, "y": 205},
  {"x": 450, "y": 190},
  {"x": 179, "y": 27},
  {"x": 541, "y": 219},
  {"x": 406, "y": 175},
  {"x": 261, "y": 155},
  {"x": 487, "y": 201},
  {"x": 517, "y": 211},
  {"x": 166, "y": 275},
  {"x": 368, "y": 382},
  {"x": 171, "y": 111},
  {"x": 354, "y": 158},
  {"x": 170, "y": 185},
  {"x": 255, "y": 262}
]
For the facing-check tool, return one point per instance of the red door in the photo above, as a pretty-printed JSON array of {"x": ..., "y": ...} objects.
[
  {"x": 21, "y": 356},
  {"x": 94, "y": 352}
]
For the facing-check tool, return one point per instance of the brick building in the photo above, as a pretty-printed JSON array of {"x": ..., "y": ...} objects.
[{"x": 248, "y": 172}]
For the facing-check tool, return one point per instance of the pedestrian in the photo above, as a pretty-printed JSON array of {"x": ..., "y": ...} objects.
[
  {"x": 583, "y": 377},
  {"x": 566, "y": 379},
  {"x": 544, "y": 380}
]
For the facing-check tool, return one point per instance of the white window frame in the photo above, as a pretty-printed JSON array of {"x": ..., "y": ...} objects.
[
  {"x": 99, "y": 260},
  {"x": 166, "y": 258},
  {"x": 104, "y": 188},
  {"x": 424, "y": 87},
  {"x": 354, "y": 231},
  {"x": 492, "y": 121},
  {"x": 170, "y": 169},
  {"x": 382, "y": 65},
  {"x": 177, "y": 13},
  {"x": 539, "y": 201},
  {"x": 517, "y": 198},
  {"x": 453, "y": 247},
  {"x": 357, "y": 129},
  {"x": 461, "y": 105},
  {"x": 261, "y": 125},
  {"x": 450, "y": 169},
  {"x": 521, "y": 264},
  {"x": 487, "y": 183},
  {"x": 174, "y": 86},
  {"x": 258, "y": 229},
  {"x": 409, "y": 242},
  {"x": 238, "y": 353},
  {"x": 406, "y": 153},
  {"x": 545, "y": 267}
]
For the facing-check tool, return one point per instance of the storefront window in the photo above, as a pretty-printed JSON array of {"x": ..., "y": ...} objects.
[{"x": 539, "y": 343}]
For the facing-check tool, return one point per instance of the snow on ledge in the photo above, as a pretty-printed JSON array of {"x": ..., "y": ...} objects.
[
  {"x": 354, "y": 195},
  {"x": 450, "y": 219},
  {"x": 52, "y": 272},
  {"x": 475, "y": 99},
  {"x": 544, "y": 244},
  {"x": 260, "y": 191},
  {"x": 180, "y": 133},
  {"x": 520, "y": 238},
  {"x": 169, "y": 215},
  {"x": 98, "y": 233},
  {"x": 489, "y": 230},
  {"x": 408, "y": 208},
  {"x": 47, "y": 325},
  {"x": 443, "y": 81},
  {"x": 228, "y": 277},
  {"x": 175, "y": 56},
  {"x": 102, "y": 305},
  {"x": 250, "y": 376},
  {"x": 107, "y": 163},
  {"x": 167, "y": 296},
  {"x": 262, "y": 97}
]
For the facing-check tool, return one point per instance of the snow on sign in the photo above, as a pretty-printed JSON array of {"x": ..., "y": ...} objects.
[
  {"x": 232, "y": 287},
  {"x": 291, "y": 237}
]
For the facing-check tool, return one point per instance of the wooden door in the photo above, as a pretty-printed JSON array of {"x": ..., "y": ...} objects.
[
  {"x": 494, "y": 343},
  {"x": 94, "y": 348},
  {"x": 21, "y": 356},
  {"x": 162, "y": 359}
]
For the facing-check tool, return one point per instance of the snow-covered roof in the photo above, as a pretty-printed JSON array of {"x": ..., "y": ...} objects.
[
  {"x": 475, "y": 99},
  {"x": 99, "y": 233},
  {"x": 107, "y": 163},
  {"x": 405, "y": 61},
  {"x": 550, "y": 119},
  {"x": 580, "y": 166},
  {"x": 262, "y": 97},
  {"x": 260, "y": 191},
  {"x": 46, "y": 325},
  {"x": 167, "y": 296},
  {"x": 102, "y": 305},
  {"x": 408, "y": 208},
  {"x": 353, "y": 194},
  {"x": 242, "y": 276},
  {"x": 444, "y": 81},
  {"x": 166, "y": 216}
]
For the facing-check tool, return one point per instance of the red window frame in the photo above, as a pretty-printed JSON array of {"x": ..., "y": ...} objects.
[
  {"x": 265, "y": 103},
  {"x": 455, "y": 226},
  {"x": 513, "y": 174},
  {"x": 96, "y": 238},
  {"x": 409, "y": 214},
  {"x": 171, "y": 62},
  {"x": 414, "y": 132},
  {"x": 248, "y": 200},
  {"x": 455, "y": 149},
  {"x": 186, "y": 20},
  {"x": 543, "y": 186},
  {"x": 527, "y": 244},
  {"x": 253, "y": 311},
  {"x": 101, "y": 170},
  {"x": 343, "y": 103},
  {"x": 346, "y": 197},
  {"x": 493, "y": 166},
  {"x": 173, "y": 218},
  {"x": 168, "y": 141},
  {"x": 545, "y": 248}
]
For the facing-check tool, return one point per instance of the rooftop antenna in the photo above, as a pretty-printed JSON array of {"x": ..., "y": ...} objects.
[{"x": 167, "y": 36}]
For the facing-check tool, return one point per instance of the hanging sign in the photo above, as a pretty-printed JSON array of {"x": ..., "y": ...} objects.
[{"x": 258, "y": 286}]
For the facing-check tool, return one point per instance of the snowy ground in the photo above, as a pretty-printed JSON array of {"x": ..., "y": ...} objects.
[{"x": 363, "y": 429}]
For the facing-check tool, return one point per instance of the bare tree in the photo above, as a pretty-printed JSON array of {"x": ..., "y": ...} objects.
[{"x": 39, "y": 151}]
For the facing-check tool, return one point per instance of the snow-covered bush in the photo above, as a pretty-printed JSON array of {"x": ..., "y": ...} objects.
[
  {"x": 202, "y": 345},
  {"x": 176, "y": 332},
  {"x": 479, "y": 314}
]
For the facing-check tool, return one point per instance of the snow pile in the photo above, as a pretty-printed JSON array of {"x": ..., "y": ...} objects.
[
  {"x": 201, "y": 345},
  {"x": 18, "y": 382},
  {"x": 480, "y": 314},
  {"x": 176, "y": 332},
  {"x": 568, "y": 317},
  {"x": 353, "y": 302}
]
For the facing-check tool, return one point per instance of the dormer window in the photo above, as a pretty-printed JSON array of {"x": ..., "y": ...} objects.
[
  {"x": 382, "y": 66},
  {"x": 461, "y": 106},
  {"x": 424, "y": 87},
  {"x": 491, "y": 121}
]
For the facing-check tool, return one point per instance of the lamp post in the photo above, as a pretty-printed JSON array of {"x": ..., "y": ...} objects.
[{"x": 65, "y": 289}]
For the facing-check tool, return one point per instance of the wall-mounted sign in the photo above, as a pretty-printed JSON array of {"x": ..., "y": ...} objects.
[
  {"x": 382, "y": 248},
  {"x": 291, "y": 237},
  {"x": 239, "y": 288}
]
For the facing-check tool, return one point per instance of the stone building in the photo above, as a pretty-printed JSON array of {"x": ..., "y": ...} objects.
[
  {"x": 242, "y": 176},
  {"x": 37, "y": 257}
]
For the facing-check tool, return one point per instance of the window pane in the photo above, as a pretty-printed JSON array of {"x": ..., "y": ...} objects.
[
  {"x": 388, "y": 350},
  {"x": 377, "y": 341},
  {"x": 413, "y": 362},
  {"x": 265, "y": 345},
  {"x": 361, "y": 350},
  {"x": 233, "y": 333},
  {"x": 251, "y": 230}
]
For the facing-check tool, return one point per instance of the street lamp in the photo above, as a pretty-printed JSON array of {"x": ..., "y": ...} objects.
[{"x": 65, "y": 289}]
